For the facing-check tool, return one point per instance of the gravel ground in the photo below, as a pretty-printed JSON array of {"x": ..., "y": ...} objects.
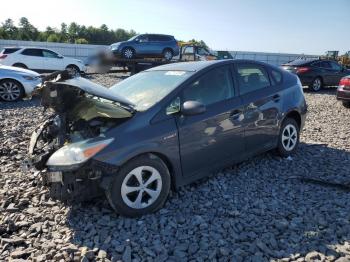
[{"x": 259, "y": 210}]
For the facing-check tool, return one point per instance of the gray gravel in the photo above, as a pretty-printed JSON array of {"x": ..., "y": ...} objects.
[{"x": 259, "y": 210}]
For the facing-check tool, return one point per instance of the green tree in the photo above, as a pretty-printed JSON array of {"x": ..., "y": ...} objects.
[
  {"x": 53, "y": 38},
  {"x": 9, "y": 29},
  {"x": 81, "y": 41},
  {"x": 26, "y": 30}
]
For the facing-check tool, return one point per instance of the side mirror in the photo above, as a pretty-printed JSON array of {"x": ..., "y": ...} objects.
[
  {"x": 60, "y": 56},
  {"x": 190, "y": 108}
]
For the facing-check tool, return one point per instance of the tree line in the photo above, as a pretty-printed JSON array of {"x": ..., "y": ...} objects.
[{"x": 72, "y": 33}]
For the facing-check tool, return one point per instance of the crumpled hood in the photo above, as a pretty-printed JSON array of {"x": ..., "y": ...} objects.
[
  {"x": 19, "y": 70},
  {"x": 95, "y": 89}
]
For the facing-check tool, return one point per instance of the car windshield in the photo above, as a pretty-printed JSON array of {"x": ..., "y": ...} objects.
[
  {"x": 147, "y": 88},
  {"x": 133, "y": 38}
]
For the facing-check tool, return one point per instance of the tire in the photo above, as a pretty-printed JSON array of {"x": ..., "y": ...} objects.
[
  {"x": 73, "y": 70},
  {"x": 128, "y": 53},
  {"x": 346, "y": 104},
  {"x": 11, "y": 90},
  {"x": 288, "y": 139},
  {"x": 168, "y": 54},
  {"x": 316, "y": 84},
  {"x": 20, "y": 65},
  {"x": 137, "y": 202}
]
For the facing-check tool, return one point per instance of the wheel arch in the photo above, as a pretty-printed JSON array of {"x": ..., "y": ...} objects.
[
  {"x": 73, "y": 65},
  {"x": 19, "y": 63},
  {"x": 294, "y": 114},
  {"x": 168, "y": 48}
]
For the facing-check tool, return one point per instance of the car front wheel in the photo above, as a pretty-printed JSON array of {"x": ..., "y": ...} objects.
[
  {"x": 128, "y": 53},
  {"x": 316, "y": 84},
  {"x": 11, "y": 90},
  {"x": 140, "y": 187},
  {"x": 288, "y": 140}
]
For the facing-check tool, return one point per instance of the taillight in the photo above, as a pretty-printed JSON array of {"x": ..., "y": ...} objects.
[
  {"x": 303, "y": 69},
  {"x": 345, "y": 82},
  {"x": 3, "y": 56}
]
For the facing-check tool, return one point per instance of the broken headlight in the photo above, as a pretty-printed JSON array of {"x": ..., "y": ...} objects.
[{"x": 77, "y": 153}]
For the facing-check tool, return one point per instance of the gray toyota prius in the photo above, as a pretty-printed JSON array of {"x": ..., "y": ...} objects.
[{"x": 161, "y": 129}]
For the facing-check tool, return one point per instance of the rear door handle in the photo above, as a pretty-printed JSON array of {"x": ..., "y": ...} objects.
[
  {"x": 276, "y": 98},
  {"x": 235, "y": 114}
]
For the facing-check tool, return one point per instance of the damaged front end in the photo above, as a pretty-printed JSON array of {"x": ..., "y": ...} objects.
[{"x": 63, "y": 146}]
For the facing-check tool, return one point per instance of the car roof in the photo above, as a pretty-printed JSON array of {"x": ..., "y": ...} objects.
[
  {"x": 157, "y": 34},
  {"x": 195, "y": 66},
  {"x": 186, "y": 66}
]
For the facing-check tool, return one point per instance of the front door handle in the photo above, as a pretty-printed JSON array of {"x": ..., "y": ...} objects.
[
  {"x": 276, "y": 98},
  {"x": 235, "y": 114}
]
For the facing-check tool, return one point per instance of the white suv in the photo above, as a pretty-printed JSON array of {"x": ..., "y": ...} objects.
[{"x": 39, "y": 59}]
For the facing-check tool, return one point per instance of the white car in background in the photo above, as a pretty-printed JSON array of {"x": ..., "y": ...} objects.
[
  {"x": 40, "y": 60},
  {"x": 16, "y": 83}
]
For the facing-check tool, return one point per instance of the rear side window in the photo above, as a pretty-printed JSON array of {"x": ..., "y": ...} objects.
[
  {"x": 32, "y": 52},
  {"x": 325, "y": 64},
  {"x": 214, "y": 86},
  {"x": 7, "y": 51},
  {"x": 276, "y": 76},
  {"x": 159, "y": 38},
  {"x": 252, "y": 77}
]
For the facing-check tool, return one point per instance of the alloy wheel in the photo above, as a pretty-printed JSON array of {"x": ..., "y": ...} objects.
[
  {"x": 316, "y": 85},
  {"x": 9, "y": 91},
  {"x": 141, "y": 187},
  {"x": 168, "y": 55},
  {"x": 289, "y": 137},
  {"x": 128, "y": 53}
]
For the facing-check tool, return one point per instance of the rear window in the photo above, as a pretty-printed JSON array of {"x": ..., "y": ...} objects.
[
  {"x": 299, "y": 62},
  {"x": 7, "y": 51},
  {"x": 32, "y": 52}
]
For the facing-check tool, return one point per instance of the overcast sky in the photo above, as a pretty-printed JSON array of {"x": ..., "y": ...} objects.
[{"x": 293, "y": 26}]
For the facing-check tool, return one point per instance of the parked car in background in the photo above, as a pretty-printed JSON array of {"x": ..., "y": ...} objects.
[
  {"x": 166, "y": 126},
  {"x": 40, "y": 60},
  {"x": 16, "y": 83},
  {"x": 147, "y": 45},
  {"x": 317, "y": 73},
  {"x": 343, "y": 91}
]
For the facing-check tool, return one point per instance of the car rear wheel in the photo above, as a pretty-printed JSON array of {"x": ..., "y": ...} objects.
[
  {"x": 128, "y": 53},
  {"x": 288, "y": 140},
  {"x": 167, "y": 54},
  {"x": 73, "y": 70},
  {"x": 316, "y": 84},
  {"x": 140, "y": 187},
  {"x": 346, "y": 104},
  {"x": 11, "y": 90}
]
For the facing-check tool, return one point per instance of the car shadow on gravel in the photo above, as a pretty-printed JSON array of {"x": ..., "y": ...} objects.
[
  {"x": 34, "y": 102},
  {"x": 324, "y": 91},
  {"x": 260, "y": 209}
]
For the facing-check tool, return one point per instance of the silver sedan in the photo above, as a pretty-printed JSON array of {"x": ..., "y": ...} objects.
[{"x": 16, "y": 83}]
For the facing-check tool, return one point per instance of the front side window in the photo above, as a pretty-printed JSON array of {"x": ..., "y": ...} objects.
[
  {"x": 143, "y": 38},
  {"x": 252, "y": 77},
  {"x": 147, "y": 88},
  {"x": 49, "y": 54},
  {"x": 214, "y": 86},
  {"x": 32, "y": 52}
]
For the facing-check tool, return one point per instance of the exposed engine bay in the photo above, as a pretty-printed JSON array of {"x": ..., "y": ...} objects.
[{"x": 79, "y": 110}]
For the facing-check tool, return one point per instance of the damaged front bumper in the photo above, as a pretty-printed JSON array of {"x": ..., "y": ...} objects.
[{"x": 84, "y": 183}]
